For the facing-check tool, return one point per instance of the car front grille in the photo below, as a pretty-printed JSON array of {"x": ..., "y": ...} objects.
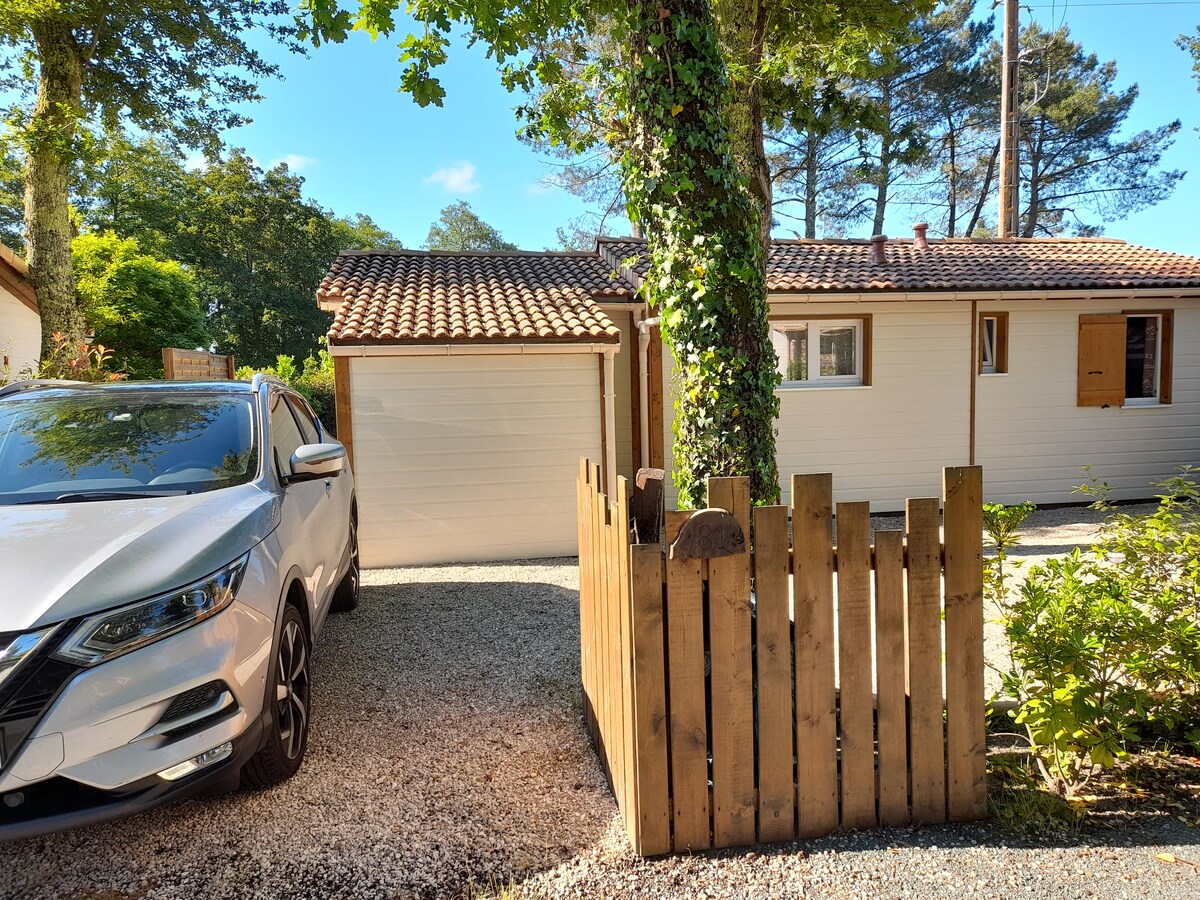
[
  {"x": 26, "y": 706},
  {"x": 27, "y": 693}
]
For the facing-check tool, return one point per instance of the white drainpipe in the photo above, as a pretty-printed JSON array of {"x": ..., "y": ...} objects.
[
  {"x": 610, "y": 422},
  {"x": 644, "y": 326}
]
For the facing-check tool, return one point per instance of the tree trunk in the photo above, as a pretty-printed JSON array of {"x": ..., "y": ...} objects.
[
  {"x": 706, "y": 252},
  {"x": 48, "y": 140},
  {"x": 741, "y": 28},
  {"x": 983, "y": 191},
  {"x": 885, "y": 165},
  {"x": 1034, "y": 211},
  {"x": 811, "y": 174},
  {"x": 952, "y": 199}
]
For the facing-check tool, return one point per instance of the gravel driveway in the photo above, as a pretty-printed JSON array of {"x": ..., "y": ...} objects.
[{"x": 448, "y": 752}]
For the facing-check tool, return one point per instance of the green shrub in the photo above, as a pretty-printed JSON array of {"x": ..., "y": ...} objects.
[
  {"x": 1107, "y": 644},
  {"x": 314, "y": 381},
  {"x": 1001, "y": 526}
]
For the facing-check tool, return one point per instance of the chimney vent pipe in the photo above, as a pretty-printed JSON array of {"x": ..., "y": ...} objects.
[
  {"x": 919, "y": 241},
  {"x": 878, "y": 256}
]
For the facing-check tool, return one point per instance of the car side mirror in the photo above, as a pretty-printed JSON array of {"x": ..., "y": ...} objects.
[{"x": 312, "y": 461}]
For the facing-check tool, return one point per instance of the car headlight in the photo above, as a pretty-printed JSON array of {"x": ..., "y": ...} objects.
[{"x": 111, "y": 634}]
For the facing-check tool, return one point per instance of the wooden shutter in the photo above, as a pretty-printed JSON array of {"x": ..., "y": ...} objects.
[{"x": 1101, "y": 360}]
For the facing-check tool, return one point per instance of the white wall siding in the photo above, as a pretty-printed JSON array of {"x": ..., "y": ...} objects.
[
  {"x": 1032, "y": 438},
  {"x": 887, "y": 441},
  {"x": 463, "y": 458},
  {"x": 20, "y": 333}
]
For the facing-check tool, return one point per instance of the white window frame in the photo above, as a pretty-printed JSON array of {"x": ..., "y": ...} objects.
[
  {"x": 1155, "y": 398},
  {"x": 815, "y": 379}
]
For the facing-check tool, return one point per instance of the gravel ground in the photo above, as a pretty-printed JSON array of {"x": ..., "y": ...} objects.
[{"x": 447, "y": 757}]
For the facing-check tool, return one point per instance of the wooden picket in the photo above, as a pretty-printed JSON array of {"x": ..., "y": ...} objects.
[{"x": 723, "y": 709}]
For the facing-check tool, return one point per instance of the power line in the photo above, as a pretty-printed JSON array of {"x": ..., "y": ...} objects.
[{"x": 1127, "y": 3}]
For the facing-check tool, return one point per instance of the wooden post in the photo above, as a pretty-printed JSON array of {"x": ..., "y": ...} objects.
[
  {"x": 343, "y": 411},
  {"x": 816, "y": 714},
  {"x": 653, "y": 834},
  {"x": 891, "y": 649},
  {"x": 928, "y": 737},
  {"x": 689, "y": 726},
  {"x": 732, "y": 676},
  {"x": 776, "y": 729},
  {"x": 854, "y": 664},
  {"x": 966, "y": 741}
]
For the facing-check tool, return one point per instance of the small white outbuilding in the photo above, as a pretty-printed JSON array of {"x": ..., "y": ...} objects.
[
  {"x": 20, "y": 319},
  {"x": 468, "y": 387}
]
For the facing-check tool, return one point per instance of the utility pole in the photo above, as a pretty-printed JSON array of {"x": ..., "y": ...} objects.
[{"x": 1010, "y": 111}]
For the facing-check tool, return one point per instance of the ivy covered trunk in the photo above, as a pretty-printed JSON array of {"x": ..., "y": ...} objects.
[
  {"x": 703, "y": 231},
  {"x": 742, "y": 28},
  {"x": 49, "y": 136}
]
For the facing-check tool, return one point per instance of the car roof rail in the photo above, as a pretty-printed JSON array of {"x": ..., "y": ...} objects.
[
  {"x": 32, "y": 384},
  {"x": 261, "y": 378}
]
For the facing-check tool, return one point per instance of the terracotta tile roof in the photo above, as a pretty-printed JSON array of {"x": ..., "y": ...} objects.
[
  {"x": 842, "y": 266},
  {"x": 411, "y": 296},
  {"x": 408, "y": 296}
]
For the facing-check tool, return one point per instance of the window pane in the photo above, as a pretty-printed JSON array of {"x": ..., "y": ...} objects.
[
  {"x": 989, "y": 345},
  {"x": 791, "y": 346},
  {"x": 1141, "y": 352},
  {"x": 285, "y": 434},
  {"x": 838, "y": 351}
]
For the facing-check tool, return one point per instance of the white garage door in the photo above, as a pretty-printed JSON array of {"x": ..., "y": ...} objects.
[{"x": 461, "y": 458}]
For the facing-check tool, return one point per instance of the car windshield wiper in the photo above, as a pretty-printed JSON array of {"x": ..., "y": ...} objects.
[{"x": 73, "y": 496}]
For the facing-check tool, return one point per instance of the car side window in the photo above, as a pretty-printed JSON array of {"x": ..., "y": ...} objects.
[
  {"x": 285, "y": 434},
  {"x": 308, "y": 424}
]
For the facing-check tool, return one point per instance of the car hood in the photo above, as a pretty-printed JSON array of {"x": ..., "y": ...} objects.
[{"x": 63, "y": 560}]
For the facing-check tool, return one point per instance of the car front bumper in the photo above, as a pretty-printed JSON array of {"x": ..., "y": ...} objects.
[
  {"x": 98, "y": 746},
  {"x": 57, "y": 804}
]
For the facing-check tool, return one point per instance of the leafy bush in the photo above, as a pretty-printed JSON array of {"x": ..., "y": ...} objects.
[
  {"x": 137, "y": 301},
  {"x": 314, "y": 381},
  {"x": 1107, "y": 644},
  {"x": 1001, "y": 526},
  {"x": 86, "y": 362}
]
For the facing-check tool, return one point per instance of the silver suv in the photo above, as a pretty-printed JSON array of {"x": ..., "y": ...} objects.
[{"x": 168, "y": 550}]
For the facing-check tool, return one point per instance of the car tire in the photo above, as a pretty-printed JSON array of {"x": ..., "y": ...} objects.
[
  {"x": 345, "y": 595},
  {"x": 291, "y": 703}
]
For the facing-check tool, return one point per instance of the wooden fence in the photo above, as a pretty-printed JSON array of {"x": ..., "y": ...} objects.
[
  {"x": 196, "y": 365},
  {"x": 739, "y": 699}
]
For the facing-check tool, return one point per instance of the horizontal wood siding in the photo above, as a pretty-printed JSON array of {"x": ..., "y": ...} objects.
[
  {"x": 20, "y": 333},
  {"x": 463, "y": 458},
  {"x": 1032, "y": 437}
]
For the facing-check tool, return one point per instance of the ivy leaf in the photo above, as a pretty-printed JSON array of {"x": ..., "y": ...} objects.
[{"x": 676, "y": 109}]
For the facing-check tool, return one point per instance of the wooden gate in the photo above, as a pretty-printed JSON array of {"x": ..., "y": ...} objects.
[{"x": 741, "y": 698}]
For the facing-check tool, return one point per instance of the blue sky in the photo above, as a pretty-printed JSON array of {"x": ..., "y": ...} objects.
[{"x": 363, "y": 147}]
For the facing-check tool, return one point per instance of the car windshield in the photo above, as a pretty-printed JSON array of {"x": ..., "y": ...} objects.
[{"x": 123, "y": 444}]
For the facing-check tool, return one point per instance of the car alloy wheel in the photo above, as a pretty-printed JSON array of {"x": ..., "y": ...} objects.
[
  {"x": 289, "y": 704},
  {"x": 292, "y": 689}
]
